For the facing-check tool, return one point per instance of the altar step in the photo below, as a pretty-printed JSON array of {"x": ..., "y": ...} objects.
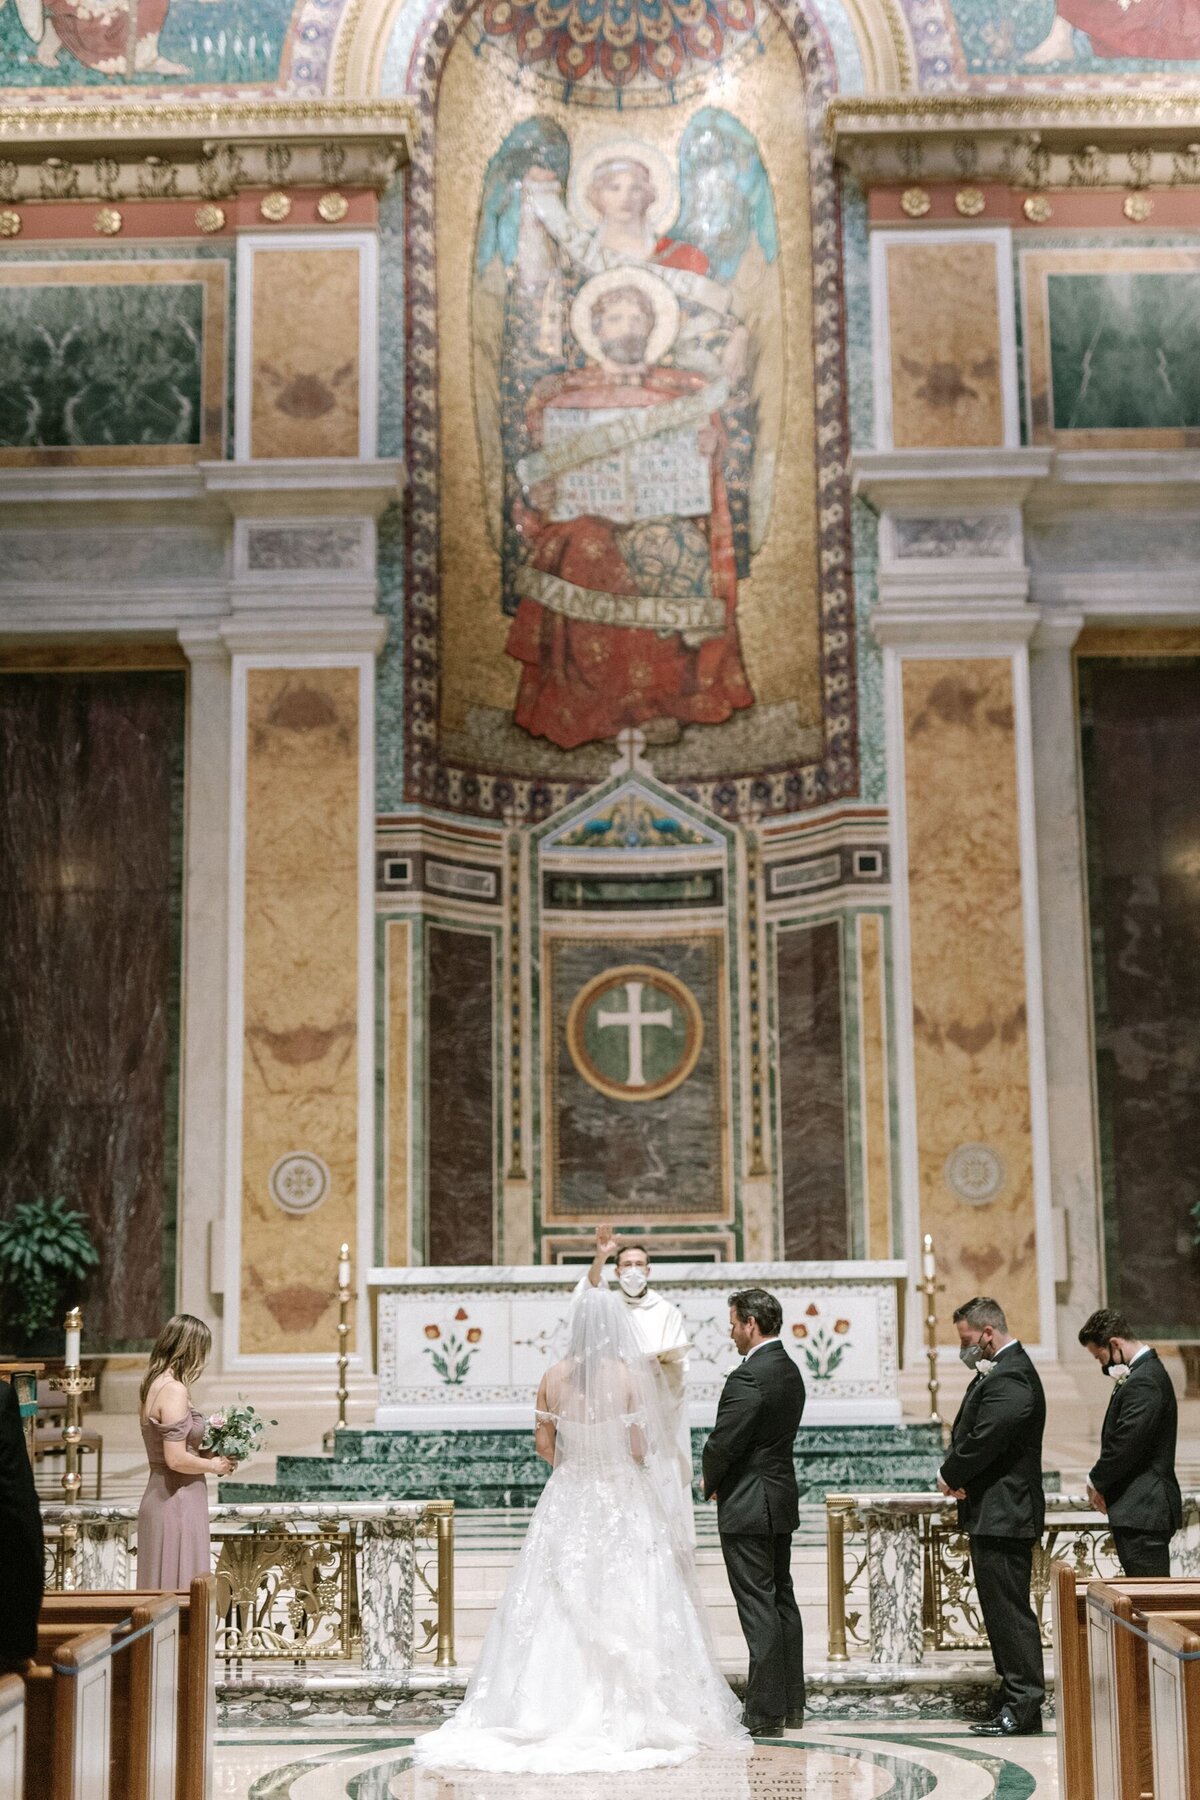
[{"x": 500, "y": 1469}]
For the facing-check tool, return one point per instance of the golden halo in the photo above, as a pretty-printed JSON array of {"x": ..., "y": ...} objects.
[
  {"x": 666, "y": 310},
  {"x": 662, "y": 209}
]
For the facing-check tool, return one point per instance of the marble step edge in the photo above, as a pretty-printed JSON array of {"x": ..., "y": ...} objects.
[{"x": 372, "y": 1444}]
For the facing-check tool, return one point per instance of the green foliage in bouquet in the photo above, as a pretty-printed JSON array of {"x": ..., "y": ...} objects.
[
  {"x": 236, "y": 1431},
  {"x": 43, "y": 1246}
]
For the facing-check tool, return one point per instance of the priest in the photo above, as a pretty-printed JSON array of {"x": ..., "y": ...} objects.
[{"x": 661, "y": 1333}]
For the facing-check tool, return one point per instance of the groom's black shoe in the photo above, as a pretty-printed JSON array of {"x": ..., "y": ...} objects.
[
  {"x": 1006, "y": 1724},
  {"x": 763, "y": 1728},
  {"x": 795, "y": 1719}
]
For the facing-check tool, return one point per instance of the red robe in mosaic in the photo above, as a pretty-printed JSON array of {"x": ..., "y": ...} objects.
[{"x": 583, "y": 682}]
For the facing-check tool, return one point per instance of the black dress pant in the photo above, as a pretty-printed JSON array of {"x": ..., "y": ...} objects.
[
  {"x": 1143, "y": 1552},
  {"x": 1003, "y": 1567},
  {"x": 759, "y": 1567}
]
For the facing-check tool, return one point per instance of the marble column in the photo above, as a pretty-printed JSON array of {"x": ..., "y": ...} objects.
[
  {"x": 302, "y": 635},
  {"x": 205, "y": 973},
  {"x": 1062, "y": 906},
  {"x": 955, "y": 624}
]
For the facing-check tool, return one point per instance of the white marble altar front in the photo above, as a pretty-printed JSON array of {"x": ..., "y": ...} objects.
[{"x": 466, "y": 1348}]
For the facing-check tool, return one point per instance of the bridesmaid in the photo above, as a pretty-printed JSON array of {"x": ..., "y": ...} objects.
[{"x": 173, "y": 1542}]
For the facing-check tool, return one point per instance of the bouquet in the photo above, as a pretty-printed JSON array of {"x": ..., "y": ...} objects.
[{"x": 236, "y": 1432}]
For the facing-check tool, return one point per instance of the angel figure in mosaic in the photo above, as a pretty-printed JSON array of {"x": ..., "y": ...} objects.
[{"x": 677, "y": 510}]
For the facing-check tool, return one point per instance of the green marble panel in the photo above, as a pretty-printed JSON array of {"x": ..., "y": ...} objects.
[
  {"x": 98, "y": 364},
  {"x": 1125, "y": 350}
]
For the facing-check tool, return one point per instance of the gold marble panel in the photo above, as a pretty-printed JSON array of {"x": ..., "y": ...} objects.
[
  {"x": 944, "y": 312},
  {"x": 970, "y": 1035},
  {"x": 1113, "y": 640},
  {"x": 876, "y": 1118},
  {"x": 300, "y": 1077},
  {"x": 304, "y": 382},
  {"x": 397, "y": 954}
]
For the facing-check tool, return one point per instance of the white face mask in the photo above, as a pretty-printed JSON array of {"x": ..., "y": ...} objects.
[{"x": 633, "y": 1281}]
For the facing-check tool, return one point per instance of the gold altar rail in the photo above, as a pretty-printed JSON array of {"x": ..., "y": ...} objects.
[
  {"x": 944, "y": 1589},
  {"x": 365, "y": 1582}
]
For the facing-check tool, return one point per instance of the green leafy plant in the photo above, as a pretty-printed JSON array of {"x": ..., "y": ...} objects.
[{"x": 44, "y": 1245}]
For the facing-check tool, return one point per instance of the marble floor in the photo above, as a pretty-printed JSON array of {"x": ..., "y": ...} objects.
[{"x": 890, "y": 1761}]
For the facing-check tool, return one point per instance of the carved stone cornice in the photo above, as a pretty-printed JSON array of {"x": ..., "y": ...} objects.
[
  {"x": 1024, "y": 141},
  {"x": 191, "y": 150}
]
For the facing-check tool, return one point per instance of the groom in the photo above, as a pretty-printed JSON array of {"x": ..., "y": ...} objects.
[{"x": 749, "y": 1471}]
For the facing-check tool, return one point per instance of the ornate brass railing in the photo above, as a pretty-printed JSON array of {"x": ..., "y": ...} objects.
[
  {"x": 898, "y": 1571},
  {"x": 363, "y": 1582}
]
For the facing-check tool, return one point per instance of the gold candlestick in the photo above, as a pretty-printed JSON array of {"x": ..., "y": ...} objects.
[
  {"x": 345, "y": 1296},
  {"x": 74, "y": 1384},
  {"x": 930, "y": 1287}
]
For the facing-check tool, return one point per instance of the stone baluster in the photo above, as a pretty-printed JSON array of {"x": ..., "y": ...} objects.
[
  {"x": 894, "y": 1583},
  {"x": 387, "y": 1571}
]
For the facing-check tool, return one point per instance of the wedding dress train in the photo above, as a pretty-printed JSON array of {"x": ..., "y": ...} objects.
[{"x": 599, "y": 1656}]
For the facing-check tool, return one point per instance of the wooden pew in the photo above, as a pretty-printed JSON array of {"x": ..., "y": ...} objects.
[
  {"x": 1173, "y": 1654},
  {"x": 1072, "y": 1685},
  {"x": 1122, "y": 1754},
  {"x": 196, "y": 1712},
  {"x": 145, "y": 1693},
  {"x": 68, "y": 1706},
  {"x": 12, "y": 1737}
]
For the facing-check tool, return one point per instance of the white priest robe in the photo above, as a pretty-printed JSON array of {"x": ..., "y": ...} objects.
[{"x": 662, "y": 1333}]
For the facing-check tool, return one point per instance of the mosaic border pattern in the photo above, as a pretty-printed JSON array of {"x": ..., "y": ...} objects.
[{"x": 462, "y": 788}]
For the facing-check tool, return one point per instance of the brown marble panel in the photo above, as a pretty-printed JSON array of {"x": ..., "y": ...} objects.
[
  {"x": 944, "y": 311},
  {"x": 462, "y": 1135},
  {"x": 1141, "y": 754},
  {"x": 91, "y": 774},
  {"x": 812, "y": 1092},
  {"x": 970, "y": 1047}
]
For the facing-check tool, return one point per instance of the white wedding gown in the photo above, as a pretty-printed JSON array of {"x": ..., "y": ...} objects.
[{"x": 599, "y": 1656}]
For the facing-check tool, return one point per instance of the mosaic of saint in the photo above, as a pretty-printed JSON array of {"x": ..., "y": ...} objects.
[{"x": 626, "y": 329}]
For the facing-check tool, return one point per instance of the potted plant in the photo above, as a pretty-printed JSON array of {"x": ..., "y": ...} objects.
[{"x": 45, "y": 1248}]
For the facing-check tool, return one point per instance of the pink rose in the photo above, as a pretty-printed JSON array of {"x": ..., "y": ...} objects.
[{"x": 217, "y": 1421}]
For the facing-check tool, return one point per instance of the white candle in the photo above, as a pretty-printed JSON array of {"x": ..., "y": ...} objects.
[
  {"x": 344, "y": 1267},
  {"x": 73, "y": 1340},
  {"x": 928, "y": 1265}
]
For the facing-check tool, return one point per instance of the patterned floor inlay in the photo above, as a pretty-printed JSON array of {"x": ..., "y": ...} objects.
[{"x": 930, "y": 1762}]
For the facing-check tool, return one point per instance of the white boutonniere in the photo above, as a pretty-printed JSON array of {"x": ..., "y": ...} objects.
[
  {"x": 983, "y": 1366},
  {"x": 1120, "y": 1373}
]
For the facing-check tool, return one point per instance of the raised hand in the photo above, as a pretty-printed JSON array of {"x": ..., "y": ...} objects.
[{"x": 607, "y": 1242}]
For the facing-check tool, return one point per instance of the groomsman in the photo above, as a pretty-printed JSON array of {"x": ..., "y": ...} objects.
[
  {"x": 1134, "y": 1481},
  {"x": 21, "y": 1536},
  {"x": 994, "y": 1471},
  {"x": 750, "y": 1471}
]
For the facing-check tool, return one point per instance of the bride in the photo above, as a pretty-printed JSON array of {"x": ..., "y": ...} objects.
[{"x": 599, "y": 1656}]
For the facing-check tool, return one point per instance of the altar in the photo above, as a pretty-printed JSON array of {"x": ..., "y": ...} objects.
[{"x": 465, "y": 1348}]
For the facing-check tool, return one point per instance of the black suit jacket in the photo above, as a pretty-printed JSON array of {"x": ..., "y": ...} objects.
[
  {"x": 1136, "y": 1470},
  {"x": 749, "y": 1457},
  {"x": 996, "y": 1450},
  {"x": 20, "y": 1537}
]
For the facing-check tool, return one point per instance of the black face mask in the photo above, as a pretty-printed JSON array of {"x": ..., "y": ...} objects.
[
  {"x": 1114, "y": 1361},
  {"x": 971, "y": 1354}
]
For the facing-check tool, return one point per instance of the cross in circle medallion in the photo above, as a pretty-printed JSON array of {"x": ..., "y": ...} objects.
[{"x": 635, "y": 1021}]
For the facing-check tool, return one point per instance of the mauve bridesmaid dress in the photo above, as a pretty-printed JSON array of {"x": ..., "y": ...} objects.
[{"x": 173, "y": 1543}]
